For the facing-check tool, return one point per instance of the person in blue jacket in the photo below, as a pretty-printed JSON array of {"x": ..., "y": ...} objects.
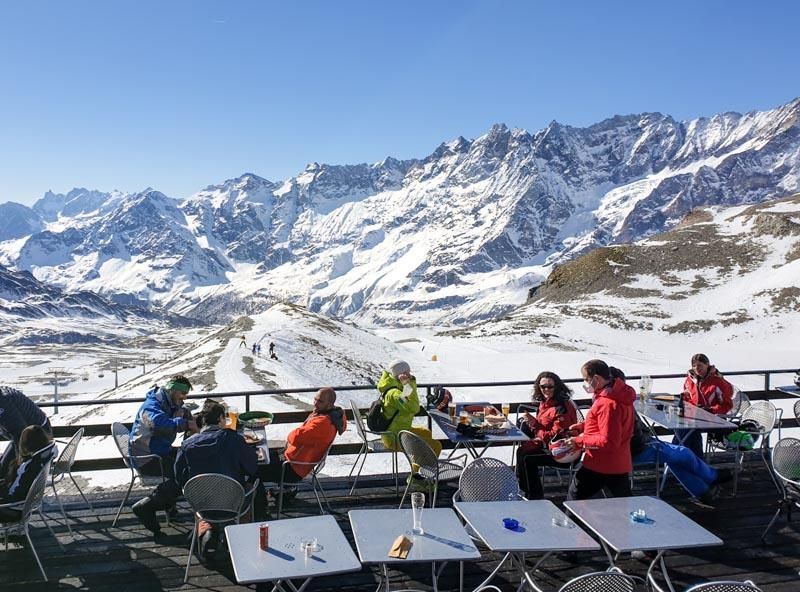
[
  {"x": 17, "y": 412},
  {"x": 35, "y": 448},
  {"x": 158, "y": 422},
  {"x": 217, "y": 450}
]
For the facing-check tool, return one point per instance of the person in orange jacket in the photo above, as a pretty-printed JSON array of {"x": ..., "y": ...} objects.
[
  {"x": 309, "y": 441},
  {"x": 704, "y": 387},
  {"x": 605, "y": 435}
]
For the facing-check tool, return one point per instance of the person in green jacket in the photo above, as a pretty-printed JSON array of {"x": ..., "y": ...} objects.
[{"x": 401, "y": 402}]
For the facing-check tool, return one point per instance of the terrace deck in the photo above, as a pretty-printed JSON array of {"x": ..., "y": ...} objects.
[{"x": 126, "y": 557}]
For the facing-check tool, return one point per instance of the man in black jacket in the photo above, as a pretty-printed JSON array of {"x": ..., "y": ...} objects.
[{"x": 16, "y": 413}]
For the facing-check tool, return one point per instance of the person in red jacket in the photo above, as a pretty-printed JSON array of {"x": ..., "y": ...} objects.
[
  {"x": 556, "y": 413},
  {"x": 308, "y": 442},
  {"x": 604, "y": 436},
  {"x": 704, "y": 387}
]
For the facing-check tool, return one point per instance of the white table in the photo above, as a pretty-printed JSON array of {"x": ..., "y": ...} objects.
[
  {"x": 475, "y": 446},
  {"x": 284, "y": 560},
  {"x": 444, "y": 540},
  {"x": 666, "y": 528},
  {"x": 694, "y": 418},
  {"x": 537, "y": 532}
]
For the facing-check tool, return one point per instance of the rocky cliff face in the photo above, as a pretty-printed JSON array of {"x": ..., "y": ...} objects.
[{"x": 457, "y": 236}]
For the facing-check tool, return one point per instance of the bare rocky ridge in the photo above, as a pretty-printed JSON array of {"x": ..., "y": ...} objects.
[{"x": 651, "y": 284}]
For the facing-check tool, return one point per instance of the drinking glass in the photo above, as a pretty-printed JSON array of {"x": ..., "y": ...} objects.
[
  {"x": 451, "y": 410},
  {"x": 506, "y": 407},
  {"x": 417, "y": 504},
  {"x": 308, "y": 545},
  {"x": 645, "y": 384},
  {"x": 233, "y": 418}
]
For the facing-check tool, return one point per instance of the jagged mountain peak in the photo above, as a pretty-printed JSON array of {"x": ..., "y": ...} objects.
[{"x": 421, "y": 238}]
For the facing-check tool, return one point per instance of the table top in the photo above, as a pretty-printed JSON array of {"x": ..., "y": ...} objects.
[
  {"x": 789, "y": 388},
  {"x": 665, "y": 527},
  {"x": 444, "y": 540},
  {"x": 284, "y": 559},
  {"x": 512, "y": 434},
  {"x": 263, "y": 446},
  {"x": 536, "y": 531},
  {"x": 694, "y": 418}
]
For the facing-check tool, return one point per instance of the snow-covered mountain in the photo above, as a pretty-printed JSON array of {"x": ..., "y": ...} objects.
[
  {"x": 460, "y": 235},
  {"x": 32, "y": 312}
]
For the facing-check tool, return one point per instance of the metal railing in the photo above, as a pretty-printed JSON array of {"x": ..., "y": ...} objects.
[{"x": 296, "y": 417}]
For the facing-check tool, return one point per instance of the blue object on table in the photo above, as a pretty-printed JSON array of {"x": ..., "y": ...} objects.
[{"x": 510, "y": 523}]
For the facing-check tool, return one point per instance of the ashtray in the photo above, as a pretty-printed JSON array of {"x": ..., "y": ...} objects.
[
  {"x": 639, "y": 516},
  {"x": 511, "y": 523}
]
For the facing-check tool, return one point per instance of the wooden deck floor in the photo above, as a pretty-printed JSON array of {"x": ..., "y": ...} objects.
[{"x": 125, "y": 558}]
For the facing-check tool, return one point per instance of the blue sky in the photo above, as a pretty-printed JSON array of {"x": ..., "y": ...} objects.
[{"x": 181, "y": 94}]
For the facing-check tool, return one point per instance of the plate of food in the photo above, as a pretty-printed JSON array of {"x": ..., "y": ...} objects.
[
  {"x": 252, "y": 438},
  {"x": 255, "y": 419},
  {"x": 496, "y": 421}
]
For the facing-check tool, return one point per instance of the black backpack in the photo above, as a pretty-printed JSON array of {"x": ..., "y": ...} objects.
[{"x": 376, "y": 421}]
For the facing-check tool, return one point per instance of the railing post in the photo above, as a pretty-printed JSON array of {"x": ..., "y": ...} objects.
[
  {"x": 247, "y": 402},
  {"x": 430, "y": 421},
  {"x": 766, "y": 381}
]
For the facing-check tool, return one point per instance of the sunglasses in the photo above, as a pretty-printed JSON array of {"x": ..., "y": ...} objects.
[{"x": 547, "y": 386}]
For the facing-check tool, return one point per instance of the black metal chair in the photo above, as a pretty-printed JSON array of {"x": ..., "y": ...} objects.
[
  {"x": 62, "y": 466},
  {"x": 121, "y": 436},
  {"x": 786, "y": 466},
  {"x": 726, "y": 586},
  {"x": 431, "y": 469},
  {"x": 371, "y": 442},
  {"x": 32, "y": 503},
  {"x": 612, "y": 580},
  {"x": 214, "y": 498}
]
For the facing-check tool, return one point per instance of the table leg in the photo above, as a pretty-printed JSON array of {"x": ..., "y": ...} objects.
[
  {"x": 491, "y": 576},
  {"x": 658, "y": 561}
]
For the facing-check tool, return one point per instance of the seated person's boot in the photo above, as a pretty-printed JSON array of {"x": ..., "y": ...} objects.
[{"x": 145, "y": 510}]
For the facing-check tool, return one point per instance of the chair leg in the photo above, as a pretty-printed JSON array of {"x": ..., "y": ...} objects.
[
  {"x": 75, "y": 483},
  {"x": 316, "y": 484},
  {"x": 125, "y": 499},
  {"x": 405, "y": 492},
  {"x": 63, "y": 513},
  {"x": 280, "y": 503},
  {"x": 358, "y": 458},
  {"x": 47, "y": 524},
  {"x": 396, "y": 470},
  {"x": 363, "y": 459},
  {"x": 191, "y": 550},
  {"x": 35, "y": 554},
  {"x": 771, "y": 522}
]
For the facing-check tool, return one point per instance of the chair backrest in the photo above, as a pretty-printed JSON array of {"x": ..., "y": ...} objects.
[
  {"x": 607, "y": 581},
  {"x": 786, "y": 459},
  {"x": 764, "y": 414},
  {"x": 35, "y": 494},
  {"x": 122, "y": 439},
  {"x": 740, "y": 401},
  {"x": 728, "y": 586},
  {"x": 67, "y": 457},
  {"x": 797, "y": 411},
  {"x": 488, "y": 480},
  {"x": 359, "y": 421},
  {"x": 212, "y": 494},
  {"x": 578, "y": 413},
  {"x": 418, "y": 452}
]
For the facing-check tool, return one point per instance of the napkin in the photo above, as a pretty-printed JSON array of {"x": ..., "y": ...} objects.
[{"x": 400, "y": 547}]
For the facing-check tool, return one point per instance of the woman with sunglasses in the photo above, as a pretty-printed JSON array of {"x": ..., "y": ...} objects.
[{"x": 556, "y": 413}]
